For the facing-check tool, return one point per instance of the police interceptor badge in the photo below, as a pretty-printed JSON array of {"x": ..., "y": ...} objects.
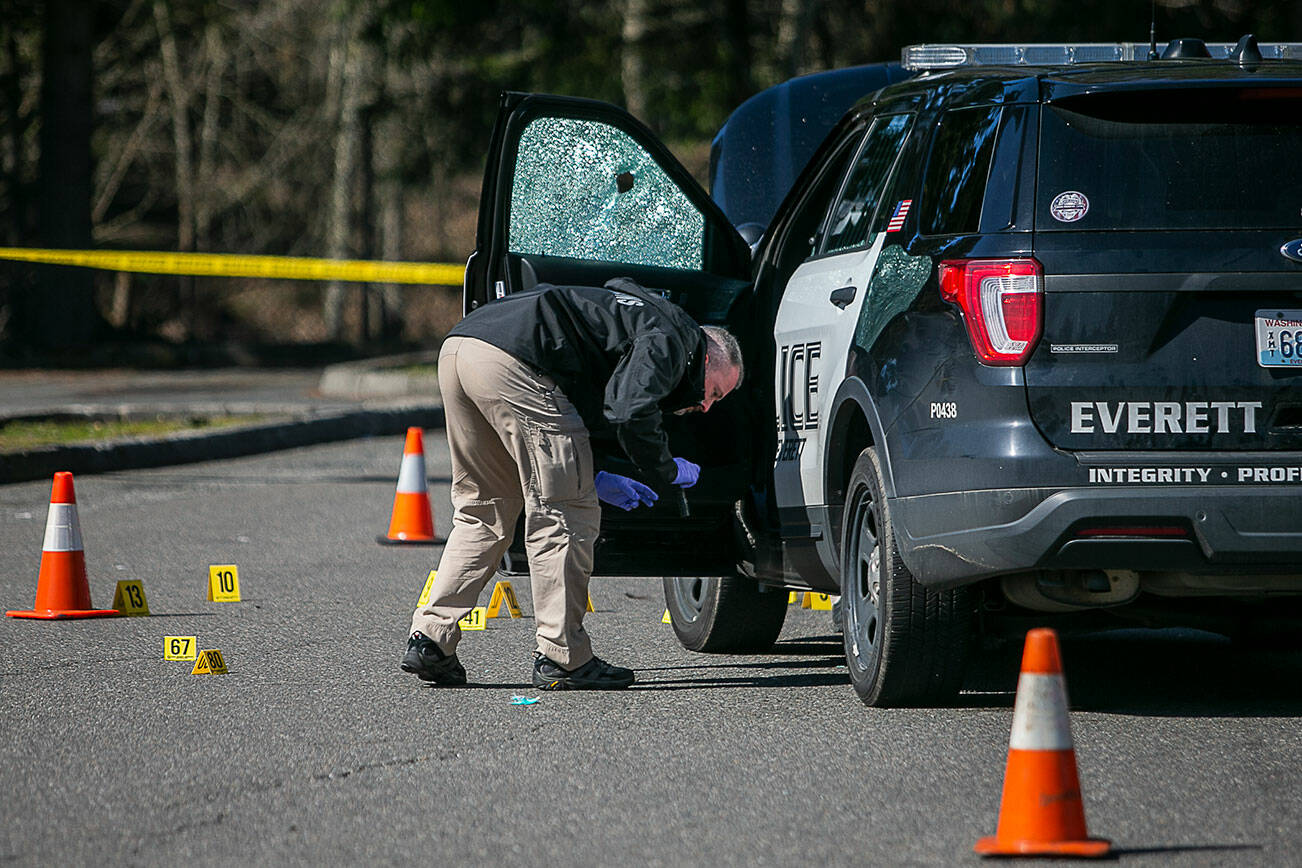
[{"x": 1069, "y": 206}]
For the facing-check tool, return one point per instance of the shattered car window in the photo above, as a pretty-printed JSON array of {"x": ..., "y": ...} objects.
[{"x": 586, "y": 190}]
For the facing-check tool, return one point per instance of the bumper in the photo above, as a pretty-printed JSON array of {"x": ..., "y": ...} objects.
[{"x": 956, "y": 538}]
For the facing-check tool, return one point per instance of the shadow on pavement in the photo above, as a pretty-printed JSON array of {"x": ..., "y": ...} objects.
[
  {"x": 827, "y": 663},
  {"x": 1176, "y": 673},
  {"x": 824, "y": 679},
  {"x": 812, "y": 645},
  {"x": 816, "y": 653},
  {"x": 1182, "y": 673},
  {"x": 1118, "y": 852},
  {"x": 473, "y": 686}
]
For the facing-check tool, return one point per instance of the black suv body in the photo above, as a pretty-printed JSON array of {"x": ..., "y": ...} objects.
[
  {"x": 1140, "y": 431},
  {"x": 1020, "y": 339}
]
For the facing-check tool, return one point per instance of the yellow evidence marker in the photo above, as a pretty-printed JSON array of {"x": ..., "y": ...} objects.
[
  {"x": 818, "y": 602},
  {"x": 666, "y": 619},
  {"x": 210, "y": 662},
  {"x": 129, "y": 598},
  {"x": 475, "y": 620},
  {"x": 590, "y": 609},
  {"x": 180, "y": 647},
  {"x": 429, "y": 586},
  {"x": 223, "y": 583},
  {"x": 792, "y": 598},
  {"x": 504, "y": 593}
]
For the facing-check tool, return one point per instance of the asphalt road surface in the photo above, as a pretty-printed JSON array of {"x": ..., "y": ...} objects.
[{"x": 317, "y": 749}]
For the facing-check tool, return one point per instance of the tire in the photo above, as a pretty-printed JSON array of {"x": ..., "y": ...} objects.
[
  {"x": 726, "y": 614},
  {"x": 904, "y": 644}
]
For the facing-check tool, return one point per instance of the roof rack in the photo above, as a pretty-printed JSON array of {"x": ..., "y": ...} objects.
[{"x": 950, "y": 55}]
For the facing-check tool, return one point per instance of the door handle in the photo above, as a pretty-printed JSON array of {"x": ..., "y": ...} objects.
[{"x": 843, "y": 296}]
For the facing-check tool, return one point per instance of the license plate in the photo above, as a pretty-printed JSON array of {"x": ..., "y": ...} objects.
[{"x": 1279, "y": 338}]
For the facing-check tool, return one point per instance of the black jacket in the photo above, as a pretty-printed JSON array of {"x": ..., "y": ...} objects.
[{"x": 621, "y": 354}]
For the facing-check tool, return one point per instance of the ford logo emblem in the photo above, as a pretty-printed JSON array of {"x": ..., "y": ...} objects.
[{"x": 1293, "y": 250}]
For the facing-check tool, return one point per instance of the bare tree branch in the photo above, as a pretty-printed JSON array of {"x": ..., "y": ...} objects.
[
  {"x": 110, "y": 184},
  {"x": 179, "y": 97}
]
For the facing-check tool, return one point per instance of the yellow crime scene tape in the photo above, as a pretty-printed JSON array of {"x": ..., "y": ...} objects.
[{"x": 237, "y": 265}]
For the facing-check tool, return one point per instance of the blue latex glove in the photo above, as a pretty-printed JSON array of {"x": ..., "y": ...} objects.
[
  {"x": 688, "y": 473},
  {"x": 623, "y": 492}
]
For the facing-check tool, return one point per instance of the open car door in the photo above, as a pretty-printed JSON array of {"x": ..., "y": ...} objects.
[{"x": 577, "y": 192}]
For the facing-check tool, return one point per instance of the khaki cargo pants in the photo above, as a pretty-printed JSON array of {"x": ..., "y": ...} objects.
[{"x": 516, "y": 441}]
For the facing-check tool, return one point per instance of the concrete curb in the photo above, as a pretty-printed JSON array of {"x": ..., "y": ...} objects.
[
  {"x": 189, "y": 447},
  {"x": 381, "y": 378}
]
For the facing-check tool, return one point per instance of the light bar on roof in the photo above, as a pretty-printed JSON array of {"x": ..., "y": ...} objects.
[{"x": 949, "y": 55}]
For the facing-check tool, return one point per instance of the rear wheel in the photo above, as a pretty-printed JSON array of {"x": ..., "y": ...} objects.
[
  {"x": 725, "y": 614},
  {"x": 904, "y": 644}
]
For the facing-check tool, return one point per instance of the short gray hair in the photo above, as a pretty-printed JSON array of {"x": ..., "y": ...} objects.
[{"x": 726, "y": 345}]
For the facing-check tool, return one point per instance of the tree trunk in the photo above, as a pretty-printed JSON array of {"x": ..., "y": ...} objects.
[
  {"x": 793, "y": 36},
  {"x": 183, "y": 144},
  {"x": 633, "y": 59},
  {"x": 206, "y": 201},
  {"x": 15, "y": 216},
  {"x": 11, "y": 157},
  {"x": 348, "y": 144},
  {"x": 61, "y": 313},
  {"x": 365, "y": 195},
  {"x": 737, "y": 29},
  {"x": 389, "y": 198}
]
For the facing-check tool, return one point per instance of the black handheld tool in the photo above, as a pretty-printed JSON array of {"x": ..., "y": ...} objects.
[{"x": 683, "y": 509}]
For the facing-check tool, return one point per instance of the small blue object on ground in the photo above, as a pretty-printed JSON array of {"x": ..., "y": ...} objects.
[{"x": 525, "y": 700}]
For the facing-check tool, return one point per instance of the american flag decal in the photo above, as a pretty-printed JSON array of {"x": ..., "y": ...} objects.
[{"x": 897, "y": 216}]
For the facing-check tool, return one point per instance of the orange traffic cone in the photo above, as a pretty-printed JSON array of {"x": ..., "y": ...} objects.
[
  {"x": 413, "y": 520},
  {"x": 1041, "y": 812},
  {"x": 61, "y": 587}
]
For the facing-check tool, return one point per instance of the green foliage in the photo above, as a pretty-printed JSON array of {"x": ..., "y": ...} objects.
[{"x": 26, "y": 434}]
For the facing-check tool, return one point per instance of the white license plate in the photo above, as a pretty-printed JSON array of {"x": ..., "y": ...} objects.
[{"x": 1279, "y": 338}]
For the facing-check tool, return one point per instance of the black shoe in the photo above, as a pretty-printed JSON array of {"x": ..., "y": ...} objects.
[
  {"x": 424, "y": 658},
  {"x": 596, "y": 674}
]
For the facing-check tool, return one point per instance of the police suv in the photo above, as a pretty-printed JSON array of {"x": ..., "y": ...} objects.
[{"x": 1023, "y": 330}]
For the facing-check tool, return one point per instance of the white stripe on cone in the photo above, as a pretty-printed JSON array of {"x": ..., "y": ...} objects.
[
  {"x": 411, "y": 478},
  {"x": 1040, "y": 714},
  {"x": 62, "y": 530}
]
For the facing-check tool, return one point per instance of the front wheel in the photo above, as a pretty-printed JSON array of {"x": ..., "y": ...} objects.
[
  {"x": 725, "y": 614},
  {"x": 904, "y": 644}
]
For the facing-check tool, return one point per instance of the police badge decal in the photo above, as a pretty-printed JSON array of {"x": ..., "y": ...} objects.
[{"x": 1069, "y": 206}]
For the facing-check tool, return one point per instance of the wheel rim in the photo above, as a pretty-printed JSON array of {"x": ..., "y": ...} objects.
[
  {"x": 862, "y": 585},
  {"x": 689, "y": 597}
]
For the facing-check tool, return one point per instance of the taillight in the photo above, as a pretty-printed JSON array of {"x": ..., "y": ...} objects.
[{"x": 1002, "y": 302}]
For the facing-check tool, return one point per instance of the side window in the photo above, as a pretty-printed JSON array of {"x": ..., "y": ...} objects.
[
  {"x": 955, "y": 182},
  {"x": 853, "y": 213},
  {"x": 812, "y": 211},
  {"x": 586, "y": 190},
  {"x": 798, "y": 233}
]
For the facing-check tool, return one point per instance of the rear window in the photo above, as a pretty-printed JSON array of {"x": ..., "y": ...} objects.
[
  {"x": 1172, "y": 159},
  {"x": 854, "y": 211},
  {"x": 957, "y": 169}
]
